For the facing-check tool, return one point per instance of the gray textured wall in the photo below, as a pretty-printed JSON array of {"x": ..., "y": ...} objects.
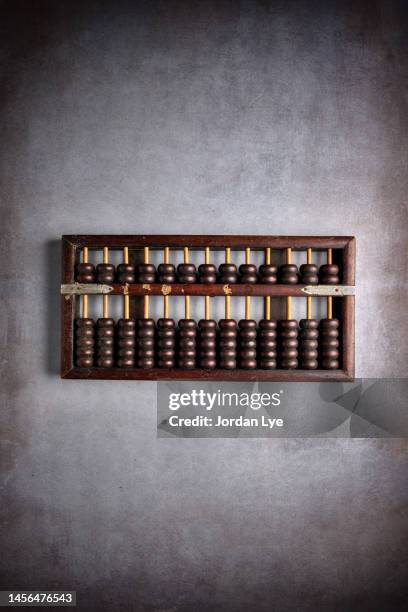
[{"x": 197, "y": 117}]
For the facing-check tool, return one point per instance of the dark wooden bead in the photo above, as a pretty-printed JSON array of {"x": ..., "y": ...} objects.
[
  {"x": 166, "y": 273},
  {"x": 288, "y": 274},
  {"x": 288, "y": 344},
  {"x": 146, "y": 331},
  {"x": 105, "y": 334},
  {"x": 228, "y": 344},
  {"x": 247, "y": 344},
  {"x": 166, "y": 343},
  {"x": 329, "y": 274},
  {"x": 187, "y": 342},
  {"x": 267, "y": 344},
  {"x": 228, "y": 273},
  {"x": 84, "y": 343},
  {"x": 268, "y": 274},
  {"x": 126, "y": 273},
  {"x": 208, "y": 273},
  {"x": 248, "y": 274},
  {"x": 187, "y": 273},
  {"x": 308, "y": 339},
  {"x": 146, "y": 273},
  {"x": 85, "y": 273},
  {"x": 309, "y": 274},
  {"x": 329, "y": 344},
  {"x": 208, "y": 344},
  {"x": 126, "y": 332},
  {"x": 105, "y": 273}
]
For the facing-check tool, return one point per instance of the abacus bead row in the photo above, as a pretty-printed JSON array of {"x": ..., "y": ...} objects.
[
  {"x": 166, "y": 343},
  {"x": 145, "y": 343},
  {"x": 247, "y": 344},
  {"x": 85, "y": 343},
  {"x": 308, "y": 335},
  {"x": 105, "y": 337},
  {"x": 288, "y": 274},
  {"x": 329, "y": 344},
  {"x": 187, "y": 344},
  {"x": 228, "y": 344},
  {"x": 288, "y": 344},
  {"x": 267, "y": 344},
  {"x": 126, "y": 332},
  {"x": 208, "y": 343}
]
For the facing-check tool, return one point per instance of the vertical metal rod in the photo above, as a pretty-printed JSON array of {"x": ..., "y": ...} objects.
[
  {"x": 247, "y": 297},
  {"x": 85, "y": 297},
  {"x": 166, "y": 297},
  {"x": 126, "y": 303},
  {"x": 146, "y": 297},
  {"x": 329, "y": 299},
  {"x": 228, "y": 297},
  {"x": 309, "y": 297},
  {"x": 105, "y": 297},
  {"x": 289, "y": 297},
  {"x": 267, "y": 301},
  {"x": 187, "y": 297},
  {"x": 207, "y": 314}
]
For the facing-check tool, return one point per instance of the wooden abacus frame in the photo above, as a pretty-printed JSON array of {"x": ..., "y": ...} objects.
[{"x": 344, "y": 255}]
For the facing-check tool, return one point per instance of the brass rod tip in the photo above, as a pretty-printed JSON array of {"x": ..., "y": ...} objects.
[
  {"x": 309, "y": 256},
  {"x": 85, "y": 254},
  {"x": 329, "y": 256},
  {"x": 228, "y": 255},
  {"x": 288, "y": 255},
  {"x": 186, "y": 255},
  {"x": 308, "y": 307},
  {"x": 126, "y": 307},
  {"x": 247, "y": 307},
  {"x": 207, "y": 307},
  {"x": 329, "y": 307},
  {"x": 268, "y": 256},
  {"x": 267, "y": 308},
  {"x": 289, "y": 308},
  {"x": 126, "y": 255},
  {"x": 146, "y": 307},
  {"x": 85, "y": 304},
  {"x": 227, "y": 306},
  {"x": 207, "y": 255},
  {"x": 146, "y": 255},
  {"x": 166, "y": 255},
  {"x": 247, "y": 255}
]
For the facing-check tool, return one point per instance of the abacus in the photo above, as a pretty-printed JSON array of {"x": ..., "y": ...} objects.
[{"x": 274, "y": 347}]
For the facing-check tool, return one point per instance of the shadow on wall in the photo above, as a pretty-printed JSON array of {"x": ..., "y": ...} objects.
[{"x": 52, "y": 306}]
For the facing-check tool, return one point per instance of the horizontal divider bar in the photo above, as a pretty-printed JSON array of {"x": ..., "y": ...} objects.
[
  {"x": 202, "y": 241},
  {"x": 200, "y": 374},
  {"x": 216, "y": 289}
]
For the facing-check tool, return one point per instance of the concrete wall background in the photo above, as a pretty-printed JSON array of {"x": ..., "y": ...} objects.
[{"x": 197, "y": 117}]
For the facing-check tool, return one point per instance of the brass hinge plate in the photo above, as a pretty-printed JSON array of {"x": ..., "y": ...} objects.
[{"x": 329, "y": 290}]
